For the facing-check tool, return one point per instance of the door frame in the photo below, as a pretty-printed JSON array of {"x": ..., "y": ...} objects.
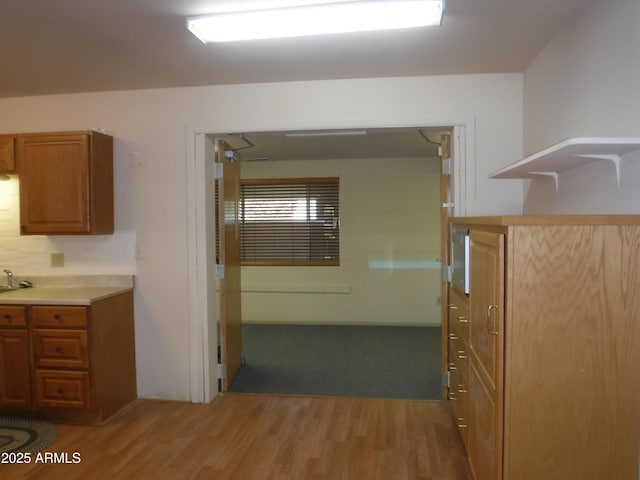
[{"x": 203, "y": 305}]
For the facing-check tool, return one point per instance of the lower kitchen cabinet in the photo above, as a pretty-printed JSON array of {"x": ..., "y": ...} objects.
[
  {"x": 78, "y": 362},
  {"x": 15, "y": 387},
  {"x": 554, "y": 340}
]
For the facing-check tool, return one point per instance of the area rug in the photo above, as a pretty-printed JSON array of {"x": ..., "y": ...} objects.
[{"x": 23, "y": 435}]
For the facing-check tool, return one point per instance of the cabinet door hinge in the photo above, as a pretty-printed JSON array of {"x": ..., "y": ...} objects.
[{"x": 222, "y": 371}]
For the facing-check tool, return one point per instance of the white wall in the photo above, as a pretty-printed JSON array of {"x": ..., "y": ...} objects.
[
  {"x": 389, "y": 218},
  {"x": 586, "y": 83},
  {"x": 153, "y": 132}
]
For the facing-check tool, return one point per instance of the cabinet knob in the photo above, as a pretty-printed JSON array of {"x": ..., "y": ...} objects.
[
  {"x": 57, "y": 317},
  {"x": 462, "y": 319},
  {"x": 59, "y": 350},
  {"x": 8, "y": 317},
  {"x": 60, "y": 391}
]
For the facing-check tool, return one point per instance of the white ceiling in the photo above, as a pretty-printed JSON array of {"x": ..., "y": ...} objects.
[
  {"x": 59, "y": 46},
  {"x": 65, "y": 46}
]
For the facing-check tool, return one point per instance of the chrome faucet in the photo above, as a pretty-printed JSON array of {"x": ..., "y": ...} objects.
[{"x": 9, "y": 278}]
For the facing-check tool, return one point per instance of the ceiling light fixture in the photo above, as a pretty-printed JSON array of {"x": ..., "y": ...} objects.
[
  {"x": 330, "y": 133},
  {"x": 324, "y": 18}
]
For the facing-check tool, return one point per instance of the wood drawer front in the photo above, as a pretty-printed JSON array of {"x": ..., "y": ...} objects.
[
  {"x": 459, "y": 396},
  {"x": 458, "y": 355},
  {"x": 60, "y": 389},
  {"x": 59, "y": 317},
  {"x": 12, "y": 316},
  {"x": 459, "y": 315},
  {"x": 61, "y": 348}
]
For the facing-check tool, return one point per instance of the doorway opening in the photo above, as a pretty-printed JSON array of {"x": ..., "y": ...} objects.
[{"x": 389, "y": 280}]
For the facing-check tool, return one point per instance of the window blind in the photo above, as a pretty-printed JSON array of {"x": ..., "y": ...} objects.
[{"x": 290, "y": 221}]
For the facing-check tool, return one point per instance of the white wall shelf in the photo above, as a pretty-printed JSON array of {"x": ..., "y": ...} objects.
[{"x": 569, "y": 154}]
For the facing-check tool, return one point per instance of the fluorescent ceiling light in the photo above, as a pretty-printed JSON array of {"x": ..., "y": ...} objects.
[
  {"x": 316, "y": 20},
  {"x": 339, "y": 133}
]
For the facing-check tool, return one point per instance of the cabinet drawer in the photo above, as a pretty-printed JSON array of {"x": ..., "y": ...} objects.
[
  {"x": 59, "y": 317},
  {"x": 459, "y": 397},
  {"x": 458, "y": 355},
  {"x": 12, "y": 316},
  {"x": 60, "y": 389},
  {"x": 459, "y": 315},
  {"x": 61, "y": 348}
]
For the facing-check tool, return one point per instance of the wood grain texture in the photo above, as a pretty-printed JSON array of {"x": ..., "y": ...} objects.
[
  {"x": 573, "y": 352},
  {"x": 259, "y": 437}
]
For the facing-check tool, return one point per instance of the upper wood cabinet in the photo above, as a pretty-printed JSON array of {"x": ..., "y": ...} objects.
[
  {"x": 7, "y": 153},
  {"x": 66, "y": 183}
]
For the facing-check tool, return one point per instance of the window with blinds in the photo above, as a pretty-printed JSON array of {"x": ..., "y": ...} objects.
[{"x": 290, "y": 221}]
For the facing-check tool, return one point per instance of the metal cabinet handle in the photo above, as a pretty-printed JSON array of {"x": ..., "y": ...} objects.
[
  {"x": 490, "y": 330},
  {"x": 462, "y": 319}
]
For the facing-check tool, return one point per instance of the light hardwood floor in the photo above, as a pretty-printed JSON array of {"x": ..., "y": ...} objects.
[{"x": 262, "y": 437}]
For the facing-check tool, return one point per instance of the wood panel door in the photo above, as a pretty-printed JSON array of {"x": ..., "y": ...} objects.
[
  {"x": 445, "y": 200},
  {"x": 229, "y": 257}
]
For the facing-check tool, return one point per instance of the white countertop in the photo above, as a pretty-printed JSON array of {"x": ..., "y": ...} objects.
[{"x": 56, "y": 295}]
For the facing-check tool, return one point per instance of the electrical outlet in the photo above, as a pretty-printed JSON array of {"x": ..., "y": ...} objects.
[{"x": 57, "y": 259}]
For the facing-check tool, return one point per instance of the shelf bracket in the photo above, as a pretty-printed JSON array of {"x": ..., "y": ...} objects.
[
  {"x": 554, "y": 175},
  {"x": 614, "y": 158}
]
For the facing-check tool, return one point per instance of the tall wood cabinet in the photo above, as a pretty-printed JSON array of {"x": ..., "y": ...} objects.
[
  {"x": 554, "y": 347},
  {"x": 66, "y": 183}
]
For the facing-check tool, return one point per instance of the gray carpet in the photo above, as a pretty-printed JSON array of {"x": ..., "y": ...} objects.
[{"x": 381, "y": 362}]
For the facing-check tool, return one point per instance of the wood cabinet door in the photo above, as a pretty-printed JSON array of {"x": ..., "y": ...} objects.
[
  {"x": 54, "y": 183},
  {"x": 7, "y": 154},
  {"x": 486, "y": 327},
  {"x": 486, "y": 344},
  {"x": 15, "y": 385}
]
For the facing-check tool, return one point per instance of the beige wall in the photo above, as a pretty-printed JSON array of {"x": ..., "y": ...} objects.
[
  {"x": 586, "y": 83},
  {"x": 158, "y": 214},
  {"x": 389, "y": 218}
]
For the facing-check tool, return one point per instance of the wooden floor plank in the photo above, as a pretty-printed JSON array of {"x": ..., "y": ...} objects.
[{"x": 262, "y": 437}]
